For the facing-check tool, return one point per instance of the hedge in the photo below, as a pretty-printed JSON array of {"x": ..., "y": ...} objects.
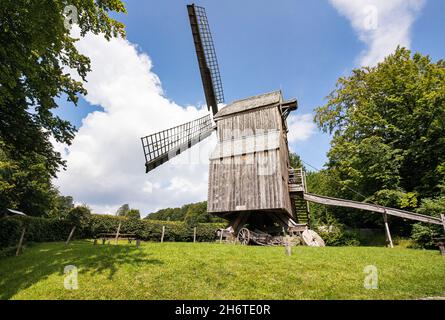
[{"x": 43, "y": 229}]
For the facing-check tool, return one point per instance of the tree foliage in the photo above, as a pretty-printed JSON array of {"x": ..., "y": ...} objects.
[
  {"x": 25, "y": 184},
  {"x": 133, "y": 214},
  {"x": 295, "y": 161},
  {"x": 79, "y": 216},
  {"x": 123, "y": 210},
  {"x": 36, "y": 52},
  {"x": 387, "y": 124},
  {"x": 191, "y": 213}
]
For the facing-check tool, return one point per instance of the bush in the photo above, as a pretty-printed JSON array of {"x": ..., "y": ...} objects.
[
  {"x": 424, "y": 235},
  {"x": 337, "y": 235},
  {"x": 37, "y": 229},
  {"x": 79, "y": 216},
  {"x": 44, "y": 229}
]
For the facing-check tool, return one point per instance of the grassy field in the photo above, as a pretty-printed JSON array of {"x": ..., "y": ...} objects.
[{"x": 219, "y": 271}]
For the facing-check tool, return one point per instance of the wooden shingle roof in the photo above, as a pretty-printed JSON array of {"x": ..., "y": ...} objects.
[{"x": 254, "y": 102}]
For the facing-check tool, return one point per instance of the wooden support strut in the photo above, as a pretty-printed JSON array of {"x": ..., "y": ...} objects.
[
  {"x": 70, "y": 235},
  {"x": 388, "y": 233},
  {"x": 20, "y": 242},
  {"x": 117, "y": 232}
]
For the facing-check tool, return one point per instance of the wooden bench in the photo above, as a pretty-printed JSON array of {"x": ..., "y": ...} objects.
[{"x": 112, "y": 236}]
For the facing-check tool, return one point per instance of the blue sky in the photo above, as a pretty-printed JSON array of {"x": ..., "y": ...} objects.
[{"x": 300, "y": 47}]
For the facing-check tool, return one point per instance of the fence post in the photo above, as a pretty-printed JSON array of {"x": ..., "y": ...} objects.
[
  {"x": 117, "y": 232},
  {"x": 287, "y": 246},
  {"x": 163, "y": 232},
  {"x": 194, "y": 234},
  {"x": 20, "y": 242}
]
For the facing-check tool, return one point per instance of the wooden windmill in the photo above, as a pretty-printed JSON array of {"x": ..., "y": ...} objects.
[
  {"x": 249, "y": 168},
  {"x": 251, "y": 183}
]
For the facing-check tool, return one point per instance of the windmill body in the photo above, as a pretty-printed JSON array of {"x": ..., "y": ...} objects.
[{"x": 249, "y": 168}]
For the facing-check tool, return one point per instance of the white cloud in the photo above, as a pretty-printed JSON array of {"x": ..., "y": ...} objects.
[
  {"x": 381, "y": 24},
  {"x": 301, "y": 127},
  {"x": 105, "y": 163}
]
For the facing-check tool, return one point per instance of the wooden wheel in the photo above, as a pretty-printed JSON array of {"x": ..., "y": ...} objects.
[{"x": 244, "y": 236}]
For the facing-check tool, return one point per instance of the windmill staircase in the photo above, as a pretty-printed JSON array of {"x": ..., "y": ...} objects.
[{"x": 297, "y": 189}]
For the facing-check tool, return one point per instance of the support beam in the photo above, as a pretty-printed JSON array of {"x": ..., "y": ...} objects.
[
  {"x": 70, "y": 236},
  {"x": 117, "y": 232},
  {"x": 371, "y": 207},
  {"x": 239, "y": 221},
  {"x": 388, "y": 233},
  {"x": 22, "y": 236}
]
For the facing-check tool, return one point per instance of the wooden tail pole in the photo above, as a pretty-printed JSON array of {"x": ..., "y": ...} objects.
[
  {"x": 117, "y": 232},
  {"x": 388, "y": 233},
  {"x": 70, "y": 235},
  {"x": 194, "y": 234},
  {"x": 19, "y": 247},
  {"x": 163, "y": 233}
]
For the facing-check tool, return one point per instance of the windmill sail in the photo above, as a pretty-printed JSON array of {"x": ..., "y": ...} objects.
[
  {"x": 162, "y": 146},
  {"x": 205, "y": 52}
]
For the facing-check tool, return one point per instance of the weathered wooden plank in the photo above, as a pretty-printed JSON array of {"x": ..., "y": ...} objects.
[{"x": 370, "y": 207}]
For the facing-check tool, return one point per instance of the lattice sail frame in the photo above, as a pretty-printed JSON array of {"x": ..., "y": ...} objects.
[
  {"x": 205, "y": 51},
  {"x": 209, "y": 52},
  {"x": 162, "y": 146}
]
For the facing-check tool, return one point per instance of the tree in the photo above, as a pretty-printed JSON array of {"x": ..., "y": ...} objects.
[
  {"x": 197, "y": 213},
  {"x": 192, "y": 213},
  {"x": 388, "y": 123},
  {"x": 25, "y": 184},
  {"x": 133, "y": 214},
  {"x": 79, "y": 216},
  {"x": 295, "y": 161},
  {"x": 62, "y": 206},
  {"x": 123, "y": 210},
  {"x": 36, "y": 50}
]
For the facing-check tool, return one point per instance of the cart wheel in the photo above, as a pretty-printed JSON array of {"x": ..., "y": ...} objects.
[{"x": 244, "y": 236}]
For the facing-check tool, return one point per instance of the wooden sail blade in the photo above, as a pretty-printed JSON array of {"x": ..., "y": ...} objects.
[
  {"x": 162, "y": 146},
  {"x": 205, "y": 52}
]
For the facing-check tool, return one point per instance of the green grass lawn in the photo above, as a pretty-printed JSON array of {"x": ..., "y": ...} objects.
[{"x": 219, "y": 271}]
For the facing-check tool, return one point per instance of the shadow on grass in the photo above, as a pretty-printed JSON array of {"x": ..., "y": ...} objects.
[{"x": 40, "y": 261}]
